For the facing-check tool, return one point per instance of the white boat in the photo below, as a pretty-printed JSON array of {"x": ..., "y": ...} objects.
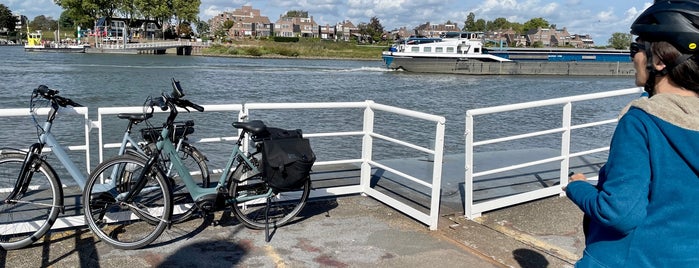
[
  {"x": 419, "y": 52},
  {"x": 36, "y": 44}
]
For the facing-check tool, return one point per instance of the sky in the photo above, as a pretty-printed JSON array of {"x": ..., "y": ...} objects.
[{"x": 598, "y": 18}]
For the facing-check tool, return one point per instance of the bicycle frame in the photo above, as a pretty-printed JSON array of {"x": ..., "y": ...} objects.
[
  {"x": 127, "y": 139},
  {"x": 47, "y": 138},
  {"x": 197, "y": 192}
]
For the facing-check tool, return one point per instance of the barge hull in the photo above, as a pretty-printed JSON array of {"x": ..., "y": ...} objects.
[{"x": 473, "y": 67}]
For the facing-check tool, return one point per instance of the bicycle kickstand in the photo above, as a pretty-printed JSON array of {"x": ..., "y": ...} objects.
[{"x": 267, "y": 238}]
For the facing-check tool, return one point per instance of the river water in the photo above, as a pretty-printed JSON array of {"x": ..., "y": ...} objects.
[{"x": 102, "y": 80}]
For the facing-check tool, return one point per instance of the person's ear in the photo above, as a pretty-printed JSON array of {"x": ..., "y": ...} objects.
[{"x": 659, "y": 65}]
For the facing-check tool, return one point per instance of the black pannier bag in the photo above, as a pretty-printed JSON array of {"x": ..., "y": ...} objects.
[{"x": 287, "y": 159}]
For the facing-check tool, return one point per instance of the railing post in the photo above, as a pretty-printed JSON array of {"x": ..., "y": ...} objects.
[
  {"x": 565, "y": 145},
  {"x": 88, "y": 126},
  {"x": 468, "y": 167},
  {"x": 100, "y": 140},
  {"x": 437, "y": 175},
  {"x": 367, "y": 147}
]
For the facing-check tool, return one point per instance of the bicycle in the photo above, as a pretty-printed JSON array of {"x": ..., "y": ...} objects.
[
  {"x": 31, "y": 190},
  {"x": 135, "y": 217}
]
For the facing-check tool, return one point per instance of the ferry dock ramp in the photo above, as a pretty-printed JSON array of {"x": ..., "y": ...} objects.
[
  {"x": 491, "y": 209},
  {"x": 351, "y": 231}
]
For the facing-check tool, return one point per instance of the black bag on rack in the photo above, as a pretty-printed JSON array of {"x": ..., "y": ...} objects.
[{"x": 287, "y": 159}]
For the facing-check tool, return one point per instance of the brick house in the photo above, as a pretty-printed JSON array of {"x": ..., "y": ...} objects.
[
  {"x": 345, "y": 29},
  {"x": 247, "y": 22},
  {"x": 296, "y": 26},
  {"x": 551, "y": 37},
  {"x": 430, "y": 30}
]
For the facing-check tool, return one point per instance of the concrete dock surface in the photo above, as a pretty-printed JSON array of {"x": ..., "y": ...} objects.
[
  {"x": 358, "y": 230},
  {"x": 347, "y": 231}
]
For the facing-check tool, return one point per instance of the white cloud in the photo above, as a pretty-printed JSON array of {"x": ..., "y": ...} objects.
[{"x": 605, "y": 16}]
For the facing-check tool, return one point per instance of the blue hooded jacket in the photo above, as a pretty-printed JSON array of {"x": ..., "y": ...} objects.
[{"x": 644, "y": 211}]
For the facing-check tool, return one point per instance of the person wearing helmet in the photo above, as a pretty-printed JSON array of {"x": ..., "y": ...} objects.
[{"x": 644, "y": 210}]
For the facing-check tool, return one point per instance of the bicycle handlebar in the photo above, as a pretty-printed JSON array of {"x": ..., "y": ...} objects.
[
  {"x": 175, "y": 99},
  {"x": 52, "y": 95}
]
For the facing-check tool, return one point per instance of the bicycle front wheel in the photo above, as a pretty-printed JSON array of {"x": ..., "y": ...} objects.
[
  {"x": 122, "y": 223},
  {"x": 27, "y": 217},
  {"x": 251, "y": 198}
]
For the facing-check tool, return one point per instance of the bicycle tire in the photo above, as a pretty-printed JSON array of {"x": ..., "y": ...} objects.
[
  {"x": 283, "y": 208},
  {"x": 184, "y": 207},
  {"x": 40, "y": 204},
  {"x": 116, "y": 222}
]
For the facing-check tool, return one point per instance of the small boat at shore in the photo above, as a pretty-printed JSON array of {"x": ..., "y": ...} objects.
[
  {"x": 450, "y": 48},
  {"x": 35, "y": 43}
]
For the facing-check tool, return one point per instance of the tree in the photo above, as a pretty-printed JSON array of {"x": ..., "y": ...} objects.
[
  {"x": 499, "y": 24},
  {"x": 620, "y": 40},
  {"x": 470, "y": 22},
  {"x": 84, "y": 12},
  {"x": 203, "y": 28},
  {"x": 297, "y": 14},
  {"x": 535, "y": 23},
  {"x": 7, "y": 21},
  {"x": 185, "y": 11},
  {"x": 375, "y": 29},
  {"x": 479, "y": 26},
  {"x": 43, "y": 23}
]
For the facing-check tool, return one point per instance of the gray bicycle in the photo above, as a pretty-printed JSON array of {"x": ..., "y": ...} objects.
[{"x": 31, "y": 192}]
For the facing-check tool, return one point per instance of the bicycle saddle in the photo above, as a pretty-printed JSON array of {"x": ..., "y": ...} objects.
[
  {"x": 255, "y": 127},
  {"x": 136, "y": 118}
]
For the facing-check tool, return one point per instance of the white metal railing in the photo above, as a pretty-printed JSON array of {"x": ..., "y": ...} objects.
[
  {"x": 366, "y": 162},
  {"x": 81, "y": 111},
  {"x": 472, "y": 210}
]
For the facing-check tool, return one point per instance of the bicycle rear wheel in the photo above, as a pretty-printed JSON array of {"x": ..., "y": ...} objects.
[
  {"x": 126, "y": 224},
  {"x": 28, "y": 216},
  {"x": 184, "y": 207},
  {"x": 249, "y": 193}
]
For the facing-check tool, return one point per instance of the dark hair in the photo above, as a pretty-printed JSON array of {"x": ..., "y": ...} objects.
[{"x": 686, "y": 73}]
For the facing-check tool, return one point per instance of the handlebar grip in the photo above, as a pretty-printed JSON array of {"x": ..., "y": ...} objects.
[
  {"x": 63, "y": 102},
  {"x": 160, "y": 102},
  {"x": 45, "y": 91},
  {"x": 196, "y": 107},
  {"x": 74, "y": 104}
]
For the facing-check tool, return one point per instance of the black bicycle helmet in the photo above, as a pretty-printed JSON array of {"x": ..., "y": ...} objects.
[{"x": 676, "y": 22}]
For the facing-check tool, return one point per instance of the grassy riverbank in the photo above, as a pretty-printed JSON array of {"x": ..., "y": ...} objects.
[{"x": 313, "y": 48}]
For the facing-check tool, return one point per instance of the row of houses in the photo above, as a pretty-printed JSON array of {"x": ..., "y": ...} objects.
[
  {"x": 248, "y": 22},
  {"x": 544, "y": 37}
]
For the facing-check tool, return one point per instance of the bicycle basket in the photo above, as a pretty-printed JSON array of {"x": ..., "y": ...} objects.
[{"x": 182, "y": 129}]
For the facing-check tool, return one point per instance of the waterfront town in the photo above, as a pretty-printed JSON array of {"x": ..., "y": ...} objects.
[{"x": 248, "y": 22}]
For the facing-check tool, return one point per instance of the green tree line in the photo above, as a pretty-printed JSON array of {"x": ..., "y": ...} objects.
[
  {"x": 617, "y": 40},
  {"x": 84, "y": 13},
  {"x": 480, "y": 25}
]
